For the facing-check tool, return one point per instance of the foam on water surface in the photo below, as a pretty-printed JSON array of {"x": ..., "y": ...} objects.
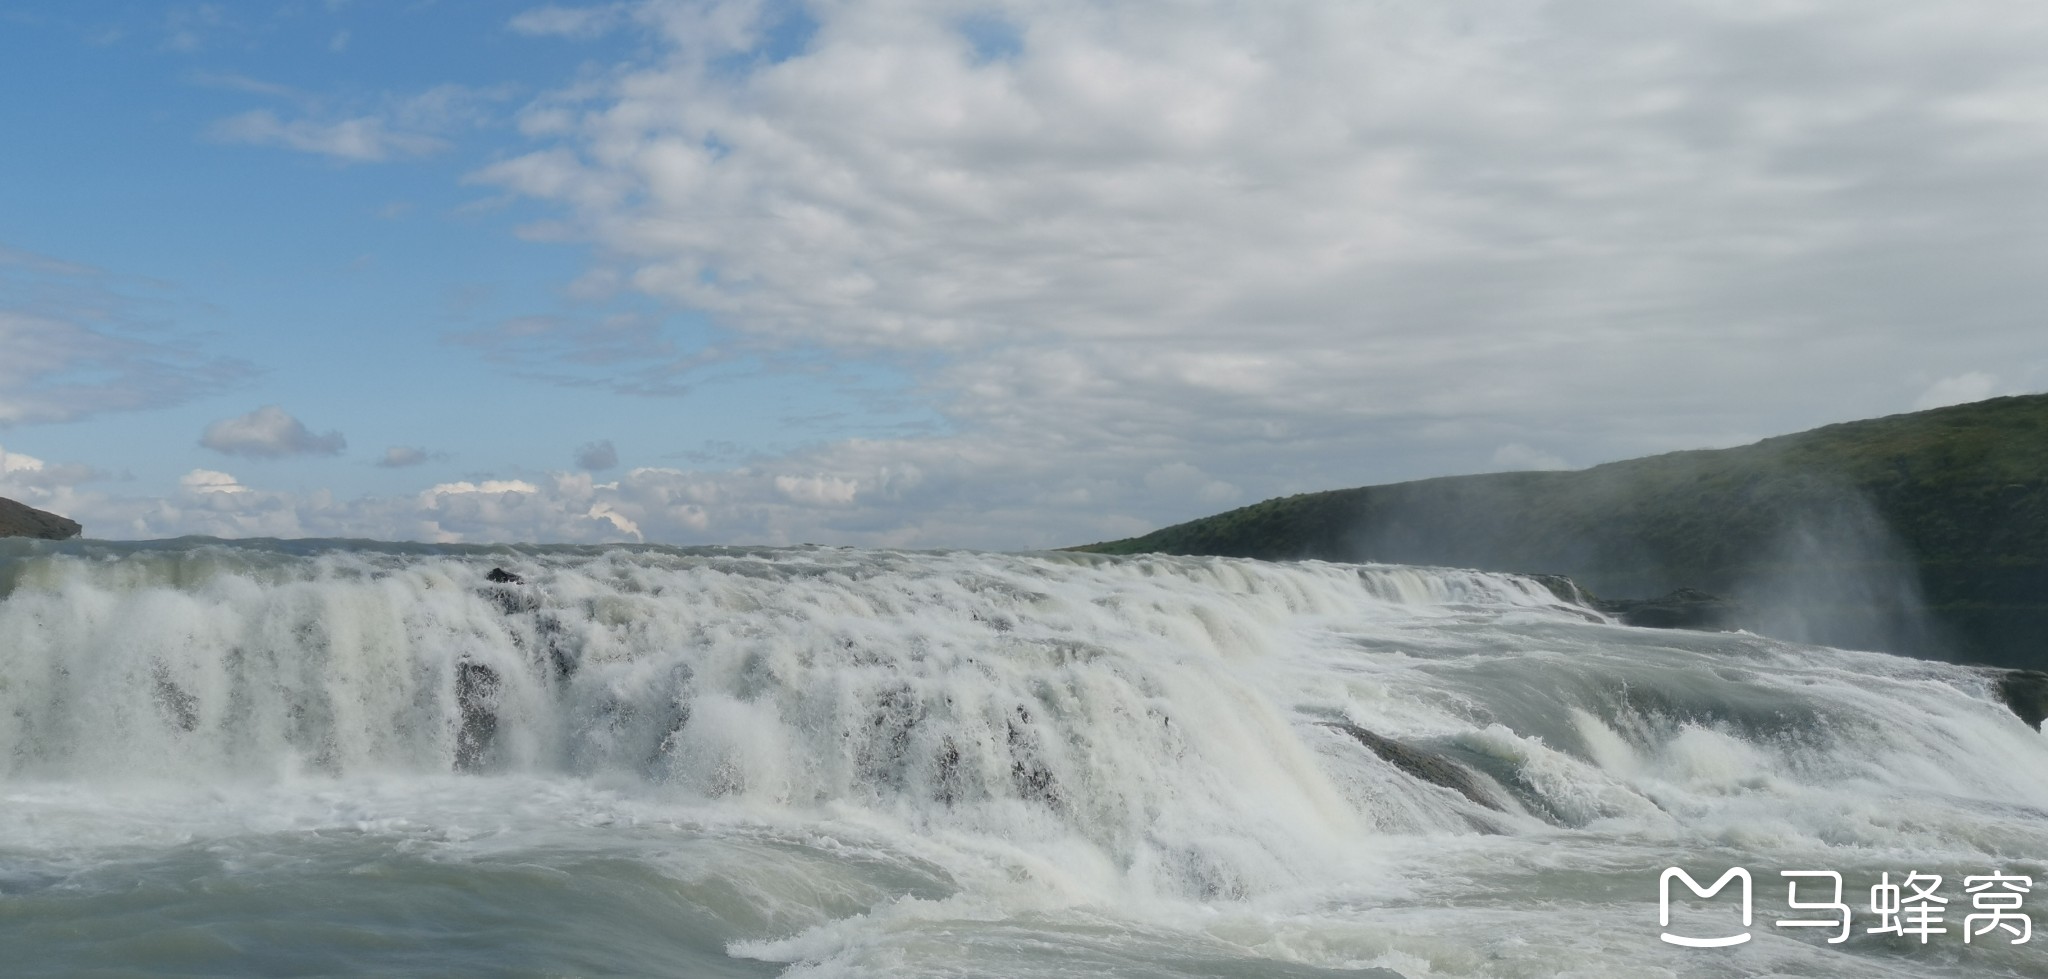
[{"x": 342, "y": 757}]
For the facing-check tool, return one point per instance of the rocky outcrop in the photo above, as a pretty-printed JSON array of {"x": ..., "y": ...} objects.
[
  {"x": 1684, "y": 608},
  {"x": 1842, "y": 536},
  {"x": 2026, "y": 692},
  {"x": 1427, "y": 766},
  {"x": 22, "y": 520},
  {"x": 476, "y": 696}
]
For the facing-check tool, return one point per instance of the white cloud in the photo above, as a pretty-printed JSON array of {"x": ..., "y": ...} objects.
[
  {"x": 15, "y": 462},
  {"x": 1959, "y": 389},
  {"x": 490, "y": 486},
  {"x": 1144, "y": 260},
  {"x": 24, "y": 476},
  {"x": 269, "y": 432},
  {"x": 1308, "y": 244},
  {"x": 817, "y": 490}
]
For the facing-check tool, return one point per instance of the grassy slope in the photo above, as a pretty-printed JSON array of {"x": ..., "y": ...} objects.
[{"x": 1963, "y": 492}]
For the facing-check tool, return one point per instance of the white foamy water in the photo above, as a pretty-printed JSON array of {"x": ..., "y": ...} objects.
[{"x": 349, "y": 758}]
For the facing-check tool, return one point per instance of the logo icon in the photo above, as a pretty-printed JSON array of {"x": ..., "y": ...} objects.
[{"x": 1664, "y": 906}]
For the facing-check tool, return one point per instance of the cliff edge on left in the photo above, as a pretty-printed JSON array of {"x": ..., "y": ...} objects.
[{"x": 22, "y": 520}]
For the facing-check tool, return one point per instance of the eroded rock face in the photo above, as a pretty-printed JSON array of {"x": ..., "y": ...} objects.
[
  {"x": 2026, "y": 692},
  {"x": 22, "y": 520},
  {"x": 1685, "y": 608},
  {"x": 476, "y": 695},
  {"x": 1426, "y": 765}
]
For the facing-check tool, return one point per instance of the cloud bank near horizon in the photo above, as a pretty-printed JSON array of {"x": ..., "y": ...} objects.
[
  {"x": 1144, "y": 263},
  {"x": 1229, "y": 241}
]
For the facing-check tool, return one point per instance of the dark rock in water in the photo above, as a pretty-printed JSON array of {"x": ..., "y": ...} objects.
[
  {"x": 1685, "y": 608},
  {"x": 553, "y": 636},
  {"x": 512, "y": 601},
  {"x": 1570, "y": 596},
  {"x": 545, "y": 623},
  {"x": 181, "y": 707},
  {"x": 2026, "y": 692},
  {"x": 1028, "y": 773},
  {"x": 1426, "y": 765},
  {"x": 516, "y": 601},
  {"x": 1562, "y": 586},
  {"x": 22, "y": 520},
  {"x": 476, "y": 695}
]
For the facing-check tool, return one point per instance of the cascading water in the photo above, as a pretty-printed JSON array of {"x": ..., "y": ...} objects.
[{"x": 354, "y": 758}]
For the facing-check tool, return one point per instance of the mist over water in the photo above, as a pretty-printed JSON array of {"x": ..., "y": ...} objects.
[
  {"x": 353, "y": 758},
  {"x": 1838, "y": 575}
]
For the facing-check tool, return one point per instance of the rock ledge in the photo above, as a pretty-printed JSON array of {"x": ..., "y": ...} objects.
[{"x": 22, "y": 520}]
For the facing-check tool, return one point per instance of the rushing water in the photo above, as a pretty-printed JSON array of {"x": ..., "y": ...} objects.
[{"x": 351, "y": 758}]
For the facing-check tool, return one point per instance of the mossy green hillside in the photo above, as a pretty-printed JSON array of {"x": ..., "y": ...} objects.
[{"x": 1841, "y": 520}]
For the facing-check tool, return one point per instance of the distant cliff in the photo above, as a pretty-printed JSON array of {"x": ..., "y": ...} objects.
[
  {"x": 21, "y": 520},
  {"x": 1841, "y": 535}
]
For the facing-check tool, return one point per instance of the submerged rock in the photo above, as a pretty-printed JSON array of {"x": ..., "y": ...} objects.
[
  {"x": 528, "y": 601},
  {"x": 476, "y": 695},
  {"x": 180, "y": 707},
  {"x": 1684, "y": 608},
  {"x": 1426, "y": 765},
  {"x": 22, "y": 520},
  {"x": 2026, "y": 692},
  {"x": 509, "y": 599},
  {"x": 1564, "y": 588}
]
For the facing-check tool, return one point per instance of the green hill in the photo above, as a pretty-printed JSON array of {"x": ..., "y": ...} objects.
[{"x": 1842, "y": 534}]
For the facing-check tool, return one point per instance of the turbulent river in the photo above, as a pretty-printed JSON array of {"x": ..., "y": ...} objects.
[{"x": 354, "y": 758}]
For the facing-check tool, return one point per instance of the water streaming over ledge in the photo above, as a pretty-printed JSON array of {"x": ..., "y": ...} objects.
[{"x": 348, "y": 757}]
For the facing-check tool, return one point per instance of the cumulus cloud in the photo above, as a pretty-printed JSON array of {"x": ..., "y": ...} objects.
[
  {"x": 80, "y": 341},
  {"x": 25, "y": 476},
  {"x": 597, "y": 456},
  {"x": 1314, "y": 244},
  {"x": 269, "y": 432},
  {"x": 817, "y": 489},
  {"x": 1147, "y": 261}
]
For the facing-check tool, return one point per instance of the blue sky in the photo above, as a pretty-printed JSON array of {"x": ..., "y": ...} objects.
[{"x": 973, "y": 273}]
